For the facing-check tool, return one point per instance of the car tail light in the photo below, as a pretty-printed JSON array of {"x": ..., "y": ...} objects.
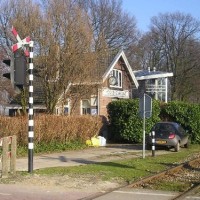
[{"x": 171, "y": 135}]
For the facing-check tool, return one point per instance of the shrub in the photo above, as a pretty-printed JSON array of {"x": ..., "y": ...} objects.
[
  {"x": 188, "y": 115},
  {"x": 51, "y": 128},
  {"x": 125, "y": 123}
]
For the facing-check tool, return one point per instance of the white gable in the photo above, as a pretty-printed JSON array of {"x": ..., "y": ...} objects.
[{"x": 112, "y": 65}]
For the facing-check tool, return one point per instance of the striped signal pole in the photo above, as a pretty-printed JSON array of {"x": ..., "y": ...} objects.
[
  {"x": 21, "y": 44},
  {"x": 153, "y": 143},
  {"x": 31, "y": 119}
]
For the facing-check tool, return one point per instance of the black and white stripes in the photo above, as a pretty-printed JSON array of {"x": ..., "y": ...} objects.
[
  {"x": 153, "y": 143},
  {"x": 31, "y": 119}
]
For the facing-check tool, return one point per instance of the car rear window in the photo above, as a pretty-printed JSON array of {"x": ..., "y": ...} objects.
[{"x": 164, "y": 128}]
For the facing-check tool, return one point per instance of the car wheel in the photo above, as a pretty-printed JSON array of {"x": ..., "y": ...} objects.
[
  {"x": 187, "y": 144},
  {"x": 177, "y": 147}
]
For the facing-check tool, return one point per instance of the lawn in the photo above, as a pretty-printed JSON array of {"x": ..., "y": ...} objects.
[{"x": 126, "y": 170}]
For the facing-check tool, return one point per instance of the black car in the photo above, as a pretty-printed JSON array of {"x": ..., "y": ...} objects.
[{"x": 168, "y": 134}]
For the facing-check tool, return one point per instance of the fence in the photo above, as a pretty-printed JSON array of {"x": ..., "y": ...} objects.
[{"x": 8, "y": 157}]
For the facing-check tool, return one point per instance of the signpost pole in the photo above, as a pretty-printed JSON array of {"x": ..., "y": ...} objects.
[
  {"x": 144, "y": 110},
  {"x": 31, "y": 114}
]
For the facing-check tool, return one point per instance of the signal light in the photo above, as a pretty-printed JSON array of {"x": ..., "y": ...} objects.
[{"x": 18, "y": 65}]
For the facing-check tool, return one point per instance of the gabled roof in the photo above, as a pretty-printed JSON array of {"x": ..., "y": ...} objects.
[
  {"x": 127, "y": 65},
  {"x": 146, "y": 74}
]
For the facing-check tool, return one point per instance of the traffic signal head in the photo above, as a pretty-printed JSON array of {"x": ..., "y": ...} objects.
[
  {"x": 18, "y": 64},
  {"x": 9, "y": 75},
  {"x": 7, "y": 62}
]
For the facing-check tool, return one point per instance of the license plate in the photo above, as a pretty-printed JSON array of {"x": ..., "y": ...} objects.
[{"x": 161, "y": 142}]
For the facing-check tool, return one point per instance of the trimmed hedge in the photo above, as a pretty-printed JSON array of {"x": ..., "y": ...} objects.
[
  {"x": 51, "y": 128},
  {"x": 188, "y": 115},
  {"x": 126, "y": 125}
]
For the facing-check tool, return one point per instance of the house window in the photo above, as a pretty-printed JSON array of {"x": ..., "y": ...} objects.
[
  {"x": 115, "y": 79},
  {"x": 66, "y": 107},
  {"x": 66, "y": 110},
  {"x": 58, "y": 110},
  {"x": 86, "y": 107},
  {"x": 156, "y": 88},
  {"x": 94, "y": 105}
]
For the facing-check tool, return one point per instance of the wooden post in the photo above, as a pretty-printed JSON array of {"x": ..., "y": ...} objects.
[
  {"x": 13, "y": 154},
  {"x": 9, "y": 145},
  {"x": 5, "y": 157}
]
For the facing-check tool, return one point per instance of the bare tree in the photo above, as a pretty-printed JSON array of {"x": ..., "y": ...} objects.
[
  {"x": 169, "y": 46},
  {"x": 65, "y": 48},
  {"x": 112, "y": 27},
  {"x": 62, "y": 41},
  {"x": 69, "y": 36},
  {"x": 187, "y": 86}
]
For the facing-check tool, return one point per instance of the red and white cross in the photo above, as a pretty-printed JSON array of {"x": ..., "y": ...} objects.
[{"x": 20, "y": 43}]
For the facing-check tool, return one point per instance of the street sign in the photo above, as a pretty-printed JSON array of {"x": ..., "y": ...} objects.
[
  {"x": 145, "y": 106},
  {"x": 145, "y": 111}
]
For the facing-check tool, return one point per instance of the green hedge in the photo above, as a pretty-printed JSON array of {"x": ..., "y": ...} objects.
[
  {"x": 125, "y": 123},
  {"x": 188, "y": 115}
]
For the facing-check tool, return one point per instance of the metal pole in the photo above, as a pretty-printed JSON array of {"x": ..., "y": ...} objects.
[
  {"x": 166, "y": 90},
  {"x": 31, "y": 120},
  {"x": 143, "y": 152},
  {"x": 153, "y": 143}
]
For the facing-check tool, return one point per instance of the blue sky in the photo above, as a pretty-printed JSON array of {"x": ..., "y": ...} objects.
[{"x": 143, "y": 10}]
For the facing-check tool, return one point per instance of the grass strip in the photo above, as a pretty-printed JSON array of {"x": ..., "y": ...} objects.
[{"x": 127, "y": 170}]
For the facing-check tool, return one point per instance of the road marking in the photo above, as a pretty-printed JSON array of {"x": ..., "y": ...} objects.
[
  {"x": 4, "y": 194},
  {"x": 146, "y": 193},
  {"x": 190, "y": 197}
]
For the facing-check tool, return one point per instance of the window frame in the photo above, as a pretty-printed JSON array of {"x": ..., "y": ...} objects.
[
  {"x": 66, "y": 106},
  {"x": 118, "y": 75},
  {"x": 85, "y": 110}
]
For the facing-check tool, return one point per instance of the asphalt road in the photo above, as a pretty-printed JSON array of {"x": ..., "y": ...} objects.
[
  {"x": 142, "y": 194},
  {"x": 18, "y": 192},
  {"x": 138, "y": 194}
]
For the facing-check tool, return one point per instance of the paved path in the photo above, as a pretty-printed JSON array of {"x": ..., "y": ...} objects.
[{"x": 81, "y": 157}]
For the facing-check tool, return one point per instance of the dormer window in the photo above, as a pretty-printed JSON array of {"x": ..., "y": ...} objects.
[{"x": 115, "y": 79}]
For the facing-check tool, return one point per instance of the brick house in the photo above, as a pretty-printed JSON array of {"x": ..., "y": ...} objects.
[{"x": 117, "y": 81}]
